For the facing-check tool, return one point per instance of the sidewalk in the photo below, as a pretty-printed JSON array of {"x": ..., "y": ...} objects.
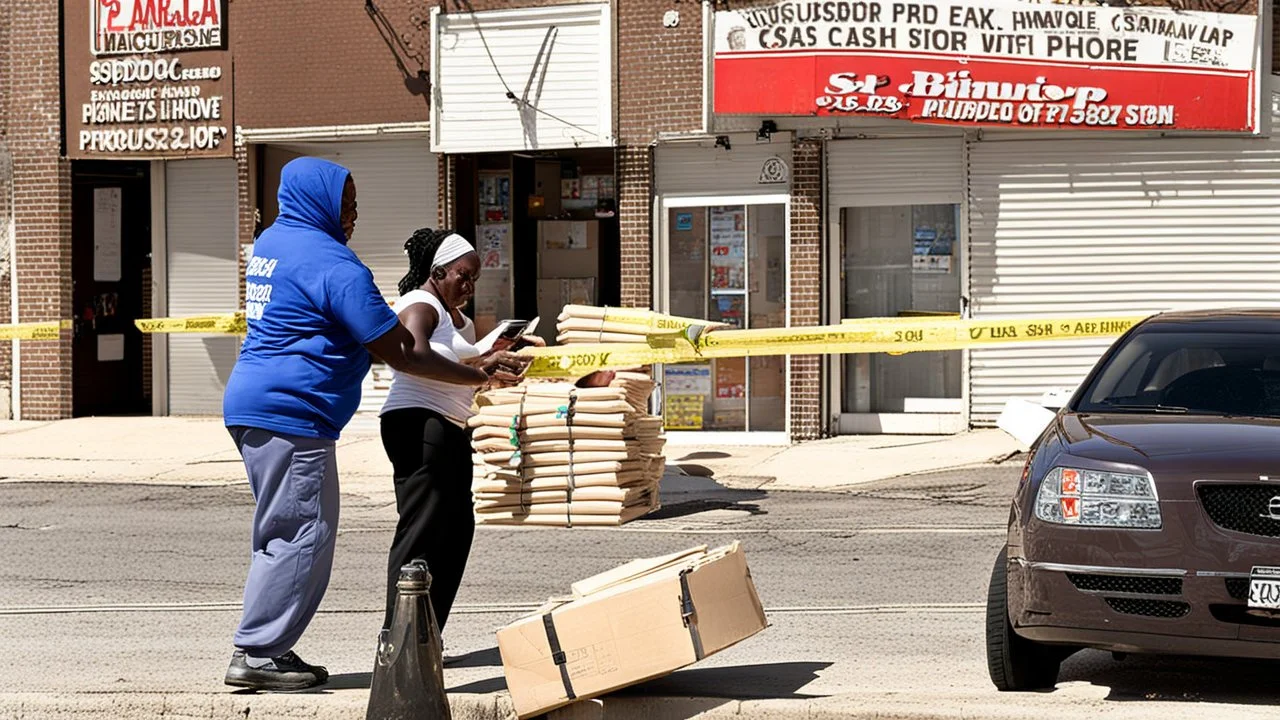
[{"x": 198, "y": 451}]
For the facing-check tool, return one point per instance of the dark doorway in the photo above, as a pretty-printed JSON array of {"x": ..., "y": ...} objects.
[{"x": 110, "y": 260}]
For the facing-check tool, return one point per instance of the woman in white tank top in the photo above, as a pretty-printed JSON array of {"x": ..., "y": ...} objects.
[{"x": 424, "y": 418}]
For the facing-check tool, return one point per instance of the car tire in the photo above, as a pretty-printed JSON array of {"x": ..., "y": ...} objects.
[{"x": 1014, "y": 662}]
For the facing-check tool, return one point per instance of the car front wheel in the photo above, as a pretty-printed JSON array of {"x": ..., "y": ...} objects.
[{"x": 1014, "y": 662}]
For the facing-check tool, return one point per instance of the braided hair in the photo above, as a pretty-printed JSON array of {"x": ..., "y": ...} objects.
[{"x": 421, "y": 248}]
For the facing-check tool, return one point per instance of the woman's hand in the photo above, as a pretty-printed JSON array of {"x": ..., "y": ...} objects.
[{"x": 502, "y": 362}]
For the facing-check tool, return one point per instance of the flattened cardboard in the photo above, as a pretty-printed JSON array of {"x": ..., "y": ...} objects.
[{"x": 628, "y": 631}]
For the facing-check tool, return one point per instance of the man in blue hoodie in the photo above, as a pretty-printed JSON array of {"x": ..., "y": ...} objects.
[{"x": 314, "y": 316}]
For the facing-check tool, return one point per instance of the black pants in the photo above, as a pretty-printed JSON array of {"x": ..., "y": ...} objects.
[{"x": 431, "y": 460}]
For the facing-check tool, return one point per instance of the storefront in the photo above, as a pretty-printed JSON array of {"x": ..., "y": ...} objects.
[
  {"x": 546, "y": 226},
  {"x": 722, "y": 239},
  {"x": 897, "y": 239},
  {"x": 523, "y": 107},
  {"x": 967, "y": 183},
  {"x": 153, "y": 204}
]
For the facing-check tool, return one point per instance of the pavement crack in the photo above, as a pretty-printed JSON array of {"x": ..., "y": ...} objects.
[{"x": 20, "y": 526}]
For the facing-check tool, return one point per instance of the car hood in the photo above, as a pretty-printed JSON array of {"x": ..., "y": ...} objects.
[{"x": 1174, "y": 447}]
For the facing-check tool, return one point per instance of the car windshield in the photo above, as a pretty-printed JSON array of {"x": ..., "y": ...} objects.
[{"x": 1193, "y": 373}]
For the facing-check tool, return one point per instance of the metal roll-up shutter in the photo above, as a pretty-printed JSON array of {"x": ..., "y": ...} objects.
[
  {"x": 1112, "y": 225},
  {"x": 396, "y": 191},
  {"x": 697, "y": 169},
  {"x": 203, "y": 278},
  {"x": 876, "y": 172}
]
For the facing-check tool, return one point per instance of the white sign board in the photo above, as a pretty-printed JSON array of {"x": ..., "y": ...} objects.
[
  {"x": 526, "y": 79},
  {"x": 106, "y": 234}
]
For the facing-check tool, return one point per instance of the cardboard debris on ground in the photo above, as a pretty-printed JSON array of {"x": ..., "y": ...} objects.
[
  {"x": 553, "y": 454},
  {"x": 637, "y": 622}
]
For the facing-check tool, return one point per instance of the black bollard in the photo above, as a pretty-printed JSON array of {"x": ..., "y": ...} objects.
[{"x": 408, "y": 675}]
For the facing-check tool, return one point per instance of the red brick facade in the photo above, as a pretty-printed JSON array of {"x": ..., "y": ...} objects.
[
  {"x": 41, "y": 191},
  {"x": 806, "y": 284}
]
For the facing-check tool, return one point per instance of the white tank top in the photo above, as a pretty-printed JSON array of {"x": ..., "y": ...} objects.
[{"x": 456, "y": 344}]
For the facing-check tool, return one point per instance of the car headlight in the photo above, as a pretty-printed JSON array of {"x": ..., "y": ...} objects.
[{"x": 1097, "y": 498}]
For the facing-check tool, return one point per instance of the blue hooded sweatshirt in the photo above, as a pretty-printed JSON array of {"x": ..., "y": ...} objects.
[{"x": 312, "y": 306}]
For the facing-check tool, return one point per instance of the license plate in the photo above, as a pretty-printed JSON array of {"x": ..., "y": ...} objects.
[{"x": 1264, "y": 588}]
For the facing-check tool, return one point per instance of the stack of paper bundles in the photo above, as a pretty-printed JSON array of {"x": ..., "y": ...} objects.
[{"x": 556, "y": 454}]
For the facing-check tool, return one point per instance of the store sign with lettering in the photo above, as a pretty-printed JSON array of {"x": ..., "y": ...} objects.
[
  {"x": 990, "y": 63},
  {"x": 122, "y": 27},
  {"x": 153, "y": 80}
]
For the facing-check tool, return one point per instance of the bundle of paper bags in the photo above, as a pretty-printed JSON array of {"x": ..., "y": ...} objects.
[
  {"x": 589, "y": 324},
  {"x": 555, "y": 454}
]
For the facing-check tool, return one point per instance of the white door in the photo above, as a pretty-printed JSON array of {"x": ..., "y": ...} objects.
[
  {"x": 726, "y": 259},
  {"x": 203, "y": 278},
  {"x": 896, "y": 240}
]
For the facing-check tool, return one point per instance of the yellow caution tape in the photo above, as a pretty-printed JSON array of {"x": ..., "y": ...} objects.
[
  {"x": 35, "y": 330},
  {"x": 873, "y": 335},
  {"x": 228, "y": 324}
]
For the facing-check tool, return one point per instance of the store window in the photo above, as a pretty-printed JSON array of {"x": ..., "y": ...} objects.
[
  {"x": 900, "y": 261},
  {"x": 728, "y": 264}
]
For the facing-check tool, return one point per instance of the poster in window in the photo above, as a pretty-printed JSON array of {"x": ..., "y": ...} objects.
[
  {"x": 683, "y": 412},
  {"x": 728, "y": 248},
  {"x": 494, "y": 245},
  {"x": 687, "y": 379},
  {"x": 107, "y": 212},
  {"x": 731, "y": 379},
  {"x": 730, "y": 310}
]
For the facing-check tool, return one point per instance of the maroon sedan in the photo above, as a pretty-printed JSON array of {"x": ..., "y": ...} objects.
[{"x": 1147, "y": 519}]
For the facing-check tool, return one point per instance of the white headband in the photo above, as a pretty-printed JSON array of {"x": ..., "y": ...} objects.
[{"x": 451, "y": 248}]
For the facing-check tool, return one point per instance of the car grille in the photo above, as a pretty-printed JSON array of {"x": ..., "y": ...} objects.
[
  {"x": 1149, "y": 608},
  {"x": 1241, "y": 508},
  {"x": 1238, "y": 588},
  {"x": 1133, "y": 584}
]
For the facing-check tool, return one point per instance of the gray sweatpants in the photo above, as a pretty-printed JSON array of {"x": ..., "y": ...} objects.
[{"x": 295, "y": 483}]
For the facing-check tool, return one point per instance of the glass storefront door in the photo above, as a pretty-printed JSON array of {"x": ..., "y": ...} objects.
[
  {"x": 727, "y": 263},
  {"x": 899, "y": 261}
]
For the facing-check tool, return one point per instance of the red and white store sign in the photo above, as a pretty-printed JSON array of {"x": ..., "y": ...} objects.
[
  {"x": 121, "y": 27},
  {"x": 990, "y": 62}
]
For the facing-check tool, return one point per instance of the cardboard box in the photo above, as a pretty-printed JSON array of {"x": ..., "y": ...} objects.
[{"x": 641, "y": 621}]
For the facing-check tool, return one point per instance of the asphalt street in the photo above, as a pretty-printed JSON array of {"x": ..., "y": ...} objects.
[{"x": 136, "y": 588}]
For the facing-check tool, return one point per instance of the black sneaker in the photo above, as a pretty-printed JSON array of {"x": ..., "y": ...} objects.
[{"x": 284, "y": 673}]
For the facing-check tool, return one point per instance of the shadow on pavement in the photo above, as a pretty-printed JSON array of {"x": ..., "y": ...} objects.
[
  {"x": 684, "y": 495},
  {"x": 772, "y": 681},
  {"x": 703, "y": 455},
  {"x": 348, "y": 681},
  {"x": 489, "y": 657},
  {"x": 481, "y": 687},
  {"x": 1176, "y": 679}
]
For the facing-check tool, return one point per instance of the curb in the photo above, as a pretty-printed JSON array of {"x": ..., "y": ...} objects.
[
  {"x": 352, "y": 705},
  {"x": 225, "y": 706}
]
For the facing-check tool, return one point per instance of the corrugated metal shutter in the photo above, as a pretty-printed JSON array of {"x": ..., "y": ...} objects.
[
  {"x": 1112, "y": 225},
  {"x": 203, "y": 278},
  {"x": 697, "y": 169},
  {"x": 396, "y": 190},
  {"x": 877, "y": 172},
  {"x": 559, "y": 60}
]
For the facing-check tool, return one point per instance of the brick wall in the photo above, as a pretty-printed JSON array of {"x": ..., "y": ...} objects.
[
  {"x": 302, "y": 63},
  {"x": 6, "y": 171},
  {"x": 29, "y": 65},
  {"x": 659, "y": 70},
  {"x": 806, "y": 284},
  {"x": 635, "y": 220},
  {"x": 245, "y": 216}
]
